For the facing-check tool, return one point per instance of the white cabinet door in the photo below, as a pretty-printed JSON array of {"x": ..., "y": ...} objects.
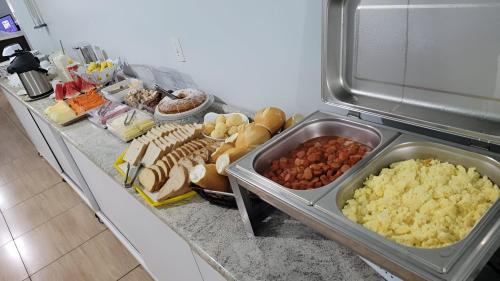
[
  {"x": 207, "y": 271},
  {"x": 166, "y": 255},
  {"x": 59, "y": 150},
  {"x": 33, "y": 131}
]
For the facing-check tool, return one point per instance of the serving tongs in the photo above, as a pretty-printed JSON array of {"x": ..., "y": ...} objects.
[
  {"x": 129, "y": 118},
  {"x": 167, "y": 93},
  {"x": 128, "y": 184}
]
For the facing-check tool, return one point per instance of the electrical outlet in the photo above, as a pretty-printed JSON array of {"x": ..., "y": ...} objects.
[{"x": 176, "y": 44}]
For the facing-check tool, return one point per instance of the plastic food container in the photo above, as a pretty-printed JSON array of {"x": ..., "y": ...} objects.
[{"x": 140, "y": 124}]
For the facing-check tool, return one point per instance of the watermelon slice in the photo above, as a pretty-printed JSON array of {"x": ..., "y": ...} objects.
[
  {"x": 79, "y": 82},
  {"x": 86, "y": 86},
  {"x": 71, "y": 89},
  {"x": 59, "y": 91}
]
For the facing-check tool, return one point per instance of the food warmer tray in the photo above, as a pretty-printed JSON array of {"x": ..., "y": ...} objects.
[{"x": 403, "y": 72}]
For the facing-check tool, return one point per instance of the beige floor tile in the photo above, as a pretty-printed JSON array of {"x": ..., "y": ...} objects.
[
  {"x": 30, "y": 162},
  {"x": 14, "y": 192},
  {"x": 9, "y": 172},
  {"x": 42, "y": 179},
  {"x": 16, "y": 145},
  {"x": 4, "y": 232},
  {"x": 101, "y": 258},
  {"x": 138, "y": 274},
  {"x": 21, "y": 187},
  {"x": 58, "y": 236},
  {"x": 40, "y": 208},
  {"x": 11, "y": 266}
]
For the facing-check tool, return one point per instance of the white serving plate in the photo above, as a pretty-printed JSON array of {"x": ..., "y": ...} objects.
[{"x": 176, "y": 116}]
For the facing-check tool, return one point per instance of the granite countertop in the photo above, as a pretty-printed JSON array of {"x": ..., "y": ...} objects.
[{"x": 285, "y": 249}]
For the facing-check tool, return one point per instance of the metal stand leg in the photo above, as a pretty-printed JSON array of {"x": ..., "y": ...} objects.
[{"x": 252, "y": 211}]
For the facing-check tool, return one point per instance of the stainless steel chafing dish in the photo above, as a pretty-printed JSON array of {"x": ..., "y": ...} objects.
[{"x": 414, "y": 79}]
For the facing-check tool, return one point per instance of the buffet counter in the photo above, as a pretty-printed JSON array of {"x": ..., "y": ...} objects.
[{"x": 191, "y": 239}]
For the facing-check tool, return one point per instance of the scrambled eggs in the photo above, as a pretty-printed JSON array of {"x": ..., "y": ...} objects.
[{"x": 422, "y": 203}]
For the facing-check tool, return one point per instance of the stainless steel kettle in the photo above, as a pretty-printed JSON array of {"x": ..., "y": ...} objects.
[{"x": 34, "y": 79}]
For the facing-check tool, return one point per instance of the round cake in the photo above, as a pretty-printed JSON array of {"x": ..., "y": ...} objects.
[{"x": 188, "y": 99}]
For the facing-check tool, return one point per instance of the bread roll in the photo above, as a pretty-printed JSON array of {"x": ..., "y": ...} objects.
[
  {"x": 252, "y": 135},
  {"x": 294, "y": 119},
  {"x": 232, "y": 138},
  {"x": 229, "y": 157},
  {"x": 206, "y": 176},
  {"x": 271, "y": 118},
  {"x": 218, "y": 152}
]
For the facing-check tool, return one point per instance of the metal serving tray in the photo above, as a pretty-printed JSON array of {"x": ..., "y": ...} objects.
[
  {"x": 425, "y": 68},
  {"x": 319, "y": 125},
  {"x": 439, "y": 262}
]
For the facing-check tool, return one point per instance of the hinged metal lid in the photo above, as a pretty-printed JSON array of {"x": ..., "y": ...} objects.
[{"x": 427, "y": 65}]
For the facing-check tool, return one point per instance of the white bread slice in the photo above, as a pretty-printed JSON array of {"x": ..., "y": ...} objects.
[
  {"x": 163, "y": 177},
  {"x": 157, "y": 132},
  {"x": 183, "y": 151},
  {"x": 164, "y": 166},
  {"x": 172, "y": 160},
  {"x": 191, "y": 147},
  {"x": 187, "y": 152},
  {"x": 198, "y": 128},
  {"x": 149, "y": 179},
  {"x": 204, "y": 153},
  {"x": 206, "y": 176},
  {"x": 139, "y": 139},
  {"x": 168, "y": 161},
  {"x": 177, "y": 183},
  {"x": 177, "y": 155},
  {"x": 197, "y": 159},
  {"x": 153, "y": 153},
  {"x": 135, "y": 152},
  {"x": 187, "y": 163},
  {"x": 172, "y": 139},
  {"x": 150, "y": 135},
  {"x": 187, "y": 133},
  {"x": 178, "y": 137},
  {"x": 160, "y": 145},
  {"x": 198, "y": 144},
  {"x": 169, "y": 127}
]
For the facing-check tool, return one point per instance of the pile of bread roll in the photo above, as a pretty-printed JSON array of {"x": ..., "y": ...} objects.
[
  {"x": 268, "y": 122},
  {"x": 224, "y": 125}
]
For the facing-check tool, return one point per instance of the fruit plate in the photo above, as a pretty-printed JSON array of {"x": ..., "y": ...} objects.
[
  {"x": 121, "y": 166},
  {"x": 98, "y": 77},
  {"x": 211, "y": 116}
]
